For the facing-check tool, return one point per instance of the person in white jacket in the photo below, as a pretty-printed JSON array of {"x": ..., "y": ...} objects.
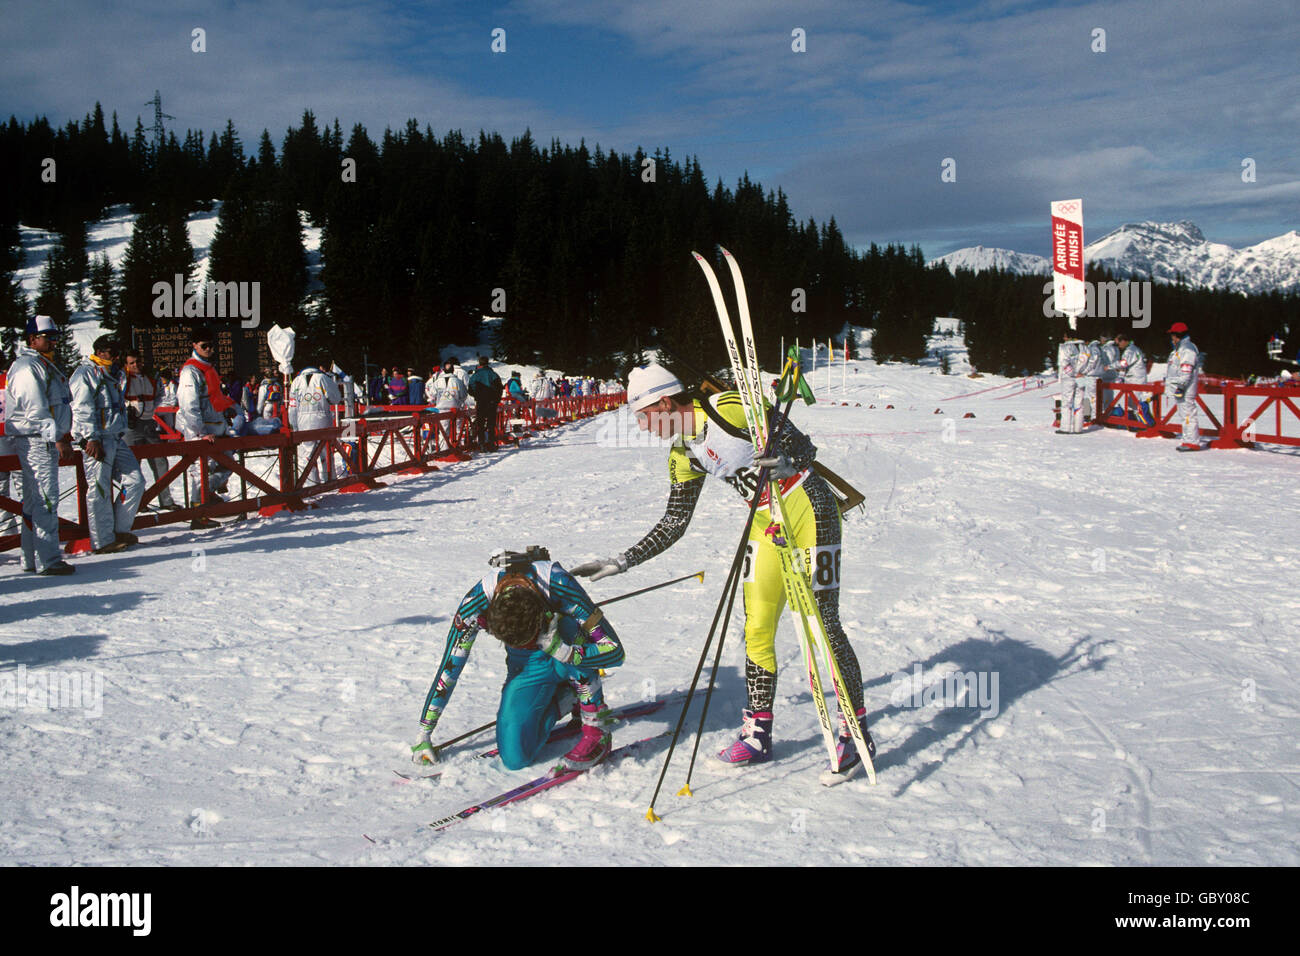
[
  {"x": 312, "y": 397},
  {"x": 447, "y": 390},
  {"x": 1182, "y": 378},
  {"x": 200, "y": 415},
  {"x": 1131, "y": 369},
  {"x": 99, "y": 430},
  {"x": 11, "y": 482},
  {"x": 38, "y": 417},
  {"x": 1072, "y": 391}
]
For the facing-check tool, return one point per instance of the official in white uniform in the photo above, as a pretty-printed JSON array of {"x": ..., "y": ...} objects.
[{"x": 38, "y": 409}]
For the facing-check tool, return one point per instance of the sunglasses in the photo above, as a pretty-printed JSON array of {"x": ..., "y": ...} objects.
[{"x": 203, "y": 345}]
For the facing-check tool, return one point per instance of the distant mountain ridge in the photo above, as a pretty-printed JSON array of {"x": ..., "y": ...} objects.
[{"x": 1163, "y": 251}]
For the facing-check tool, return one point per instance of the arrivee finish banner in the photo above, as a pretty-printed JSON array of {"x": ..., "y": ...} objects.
[{"x": 1067, "y": 257}]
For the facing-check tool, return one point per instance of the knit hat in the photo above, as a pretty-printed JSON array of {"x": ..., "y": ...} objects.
[{"x": 648, "y": 384}]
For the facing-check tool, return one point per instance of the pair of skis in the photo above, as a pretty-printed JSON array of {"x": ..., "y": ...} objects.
[
  {"x": 808, "y": 624},
  {"x": 557, "y": 775},
  {"x": 552, "y": 778}
]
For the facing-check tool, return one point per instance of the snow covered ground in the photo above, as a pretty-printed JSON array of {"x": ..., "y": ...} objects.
[{"x": 1129, "y": 614}]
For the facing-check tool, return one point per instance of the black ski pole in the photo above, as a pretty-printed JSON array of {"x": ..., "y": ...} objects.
[
  {"x": 653, "y": 587},
  {"x": 733, "y": 576},
  {"x": 708, "y": 695}
]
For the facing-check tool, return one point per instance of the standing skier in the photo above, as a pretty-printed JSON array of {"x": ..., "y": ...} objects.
[
  {"x": 556, "y": 643},
  {"x": 1182, "y": 379},
  {"x": 710, "y": 438}
]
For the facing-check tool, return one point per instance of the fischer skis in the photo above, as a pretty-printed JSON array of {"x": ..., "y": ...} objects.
[
  {"x": 809, "y": 627},
  {"x": 640, "y": 709},
  {"x": 552, "y": 778}
]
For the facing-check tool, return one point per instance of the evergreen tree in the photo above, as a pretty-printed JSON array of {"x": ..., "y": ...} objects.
[
  {"x": 103, "y": 286},
  {"x": 159, "y": 250},
  {"x": 52, "y": 294}
]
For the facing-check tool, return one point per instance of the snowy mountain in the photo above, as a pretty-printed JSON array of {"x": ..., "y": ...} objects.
[
  {"x": 1163, "y": 251},
  {"x": 979, "y": 258}
]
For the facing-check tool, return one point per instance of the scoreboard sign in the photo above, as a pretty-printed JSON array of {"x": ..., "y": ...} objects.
[{"x": 239, "y": 350}]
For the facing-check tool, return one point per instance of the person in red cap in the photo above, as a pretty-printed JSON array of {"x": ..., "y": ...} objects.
[{"x": 1181, "y": 379}]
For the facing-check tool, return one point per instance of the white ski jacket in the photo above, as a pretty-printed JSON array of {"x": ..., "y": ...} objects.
[{"x": 38, "y": 402}]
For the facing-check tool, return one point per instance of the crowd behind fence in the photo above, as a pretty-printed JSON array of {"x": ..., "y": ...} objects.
[{"x": 281, "y": 471}]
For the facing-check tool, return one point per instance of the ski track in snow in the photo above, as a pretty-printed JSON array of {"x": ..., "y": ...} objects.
[{"x": 260, "y": 683}]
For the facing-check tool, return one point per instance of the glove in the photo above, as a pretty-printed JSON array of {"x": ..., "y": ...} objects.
[
  {"x": 423, "y": 752},
  {"x": 601, "y": 568},
  {"x": 1180, "y": 394},
  {"x": 132, "y": 415},
  {"x": 779, "y": 465}
]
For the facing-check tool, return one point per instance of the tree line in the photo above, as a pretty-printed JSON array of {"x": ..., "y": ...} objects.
[{"x": 583, "y": 254}]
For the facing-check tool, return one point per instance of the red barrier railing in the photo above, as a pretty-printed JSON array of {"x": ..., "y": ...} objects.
[
  {"x": 343, "y": 458},
  {"x": 1236, "y": 419}
]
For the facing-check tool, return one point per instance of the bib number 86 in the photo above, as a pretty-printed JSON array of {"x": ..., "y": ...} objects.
[{"x": 824, "y": 566}]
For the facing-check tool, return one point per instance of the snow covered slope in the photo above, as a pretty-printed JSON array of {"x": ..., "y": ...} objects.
[
  {"x": 111, "y": 235},
  {"x": 1130, "y": 607}
]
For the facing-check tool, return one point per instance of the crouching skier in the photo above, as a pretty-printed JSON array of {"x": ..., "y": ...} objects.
[{"x": 556, "y": 642}]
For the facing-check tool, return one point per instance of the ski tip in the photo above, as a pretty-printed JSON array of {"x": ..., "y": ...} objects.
[
  {"x": 726, "y": 253},
  {"x": 652, "y": 816}
]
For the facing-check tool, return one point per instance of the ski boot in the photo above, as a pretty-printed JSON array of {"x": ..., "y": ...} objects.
[
  {"x": 596, "y": 741},
  {"x": 846, "y": 749},
  {"x": 754, "y": 744}
]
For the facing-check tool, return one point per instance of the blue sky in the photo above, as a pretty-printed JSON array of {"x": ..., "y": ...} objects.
[{"x": 1156, "y": 127}]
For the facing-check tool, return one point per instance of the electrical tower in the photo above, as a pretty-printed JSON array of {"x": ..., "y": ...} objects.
[{"x": 158, "y": 117}]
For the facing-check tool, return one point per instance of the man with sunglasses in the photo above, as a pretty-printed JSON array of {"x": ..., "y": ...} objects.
[
  {"x": 38, "y": 418},
  {"x": 556, "y": 642},
  {"x": 99, "y": 430},
  {"x": 200, "y": 415}
]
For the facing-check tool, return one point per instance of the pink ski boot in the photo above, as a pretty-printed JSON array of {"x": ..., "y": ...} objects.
[{"x": 595, "y": 743}]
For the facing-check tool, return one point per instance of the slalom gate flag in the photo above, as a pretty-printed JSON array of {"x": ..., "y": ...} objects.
[{"x": 1067, "y": 258}]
